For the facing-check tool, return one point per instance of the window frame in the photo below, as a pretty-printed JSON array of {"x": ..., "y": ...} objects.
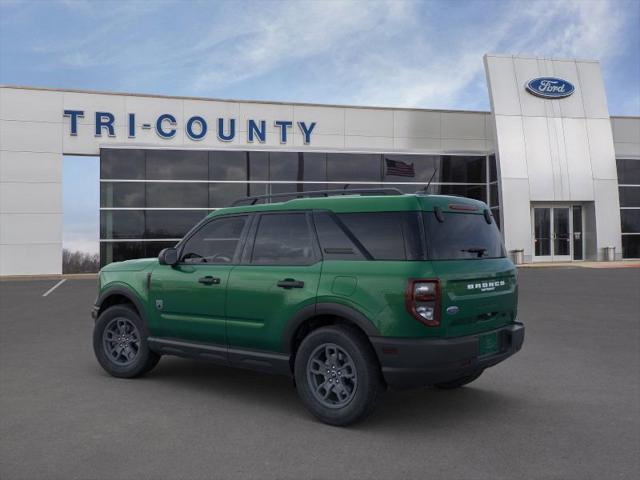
[
  {"x": 235, "y": 260},
  {"x": 247, "y": 251}
]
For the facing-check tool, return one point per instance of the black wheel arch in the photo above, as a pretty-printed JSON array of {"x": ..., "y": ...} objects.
[
  {"x": 118, "y": 295},
  {"x": 323, "y": 313}
]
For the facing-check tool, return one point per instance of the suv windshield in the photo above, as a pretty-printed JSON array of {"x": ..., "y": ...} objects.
[{"x": 461, "y": 236}]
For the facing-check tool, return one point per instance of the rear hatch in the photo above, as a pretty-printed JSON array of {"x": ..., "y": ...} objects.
[{"x": 478, "y": 289}]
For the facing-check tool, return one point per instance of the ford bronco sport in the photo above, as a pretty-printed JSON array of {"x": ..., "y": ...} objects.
[{"x": 347, "y": 294}]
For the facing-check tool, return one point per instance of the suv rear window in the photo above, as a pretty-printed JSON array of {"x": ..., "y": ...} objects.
[{"x": 461, "y": 236}]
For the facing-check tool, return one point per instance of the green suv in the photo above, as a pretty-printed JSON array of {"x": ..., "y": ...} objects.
[{"x": 349, "y": 293}]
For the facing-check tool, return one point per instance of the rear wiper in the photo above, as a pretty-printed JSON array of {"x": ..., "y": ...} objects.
[{"x": 479, "y": 250}]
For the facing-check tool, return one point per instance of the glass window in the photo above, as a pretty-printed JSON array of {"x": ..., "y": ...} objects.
[
  {"x": 279, "y": 188},
  {"x": 121, "y": 224},
  {"x": 493, "y": 169},
  {"x": 461, "y": 169},
  {"x": 171, "y": 223},
  {"x": 462, "y": 236},
  {"x": 353, "y": 167},
  {"x": 628, "y": 171},
  {"x": 125, "y": 164},
  {"x": 226, "y": 165},
  {"x": 386, "y": 236},
  {"x": 177, "y": 195},
  {"x": 297, "y": 167},
  {"x": 629, "y": 196},
  {"x": 630, "y": 221},
  {"x": 493, "y": 190},
  {"x": 215, "y": 242},
  {"x": 477, "y": 192},
  {"x": 283, "y": 239},
  {"x": 224, "y": 194},
  {"x": 129, "y": 195},
  {"x": 334, "y": 242},
  {"x": 315, "y": 167},
  {"x": 409, "y": 168},
  {"x": 120, "y": 251},
  {"x": 177, "y": 165},
  {"x": 495, "y": 211},
  {"x": 631, "y": 246}
]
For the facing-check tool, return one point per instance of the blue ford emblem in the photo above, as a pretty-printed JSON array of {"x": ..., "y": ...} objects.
[
  {"x": 452, "y": 310},
  {"x": 550, "y": 87}
]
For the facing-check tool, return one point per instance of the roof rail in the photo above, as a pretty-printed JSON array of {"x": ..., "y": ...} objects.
[{"x": 318, "y": 193}]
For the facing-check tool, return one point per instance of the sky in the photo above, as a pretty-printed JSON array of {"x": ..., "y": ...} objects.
[{"x": 385, "y": 53}]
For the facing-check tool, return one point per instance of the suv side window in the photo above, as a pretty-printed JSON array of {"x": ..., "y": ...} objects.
[
  {"x": 387, "y": 235},
  {"x": 216, "y": 242},
  {"x": 283, "y": 239},
  {"x": 334, "y": 242}
]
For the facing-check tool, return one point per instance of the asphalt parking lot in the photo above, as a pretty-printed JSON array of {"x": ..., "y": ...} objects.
[{"x": 567, "y": 406}]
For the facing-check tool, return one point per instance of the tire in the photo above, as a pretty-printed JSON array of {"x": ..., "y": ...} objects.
[
  {"x": 459, "y": 382},
  {"x": 130, "y": 358},
  {"x": 337, "y": 375}
]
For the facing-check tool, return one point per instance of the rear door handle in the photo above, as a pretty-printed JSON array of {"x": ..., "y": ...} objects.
[
  {"x": 290, "y": 283},
  {"x": 209, "y": 280}
]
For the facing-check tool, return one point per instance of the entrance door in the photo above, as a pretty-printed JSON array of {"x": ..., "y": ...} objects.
[
  {"x": 561, "y": 234},
  {"x": 557, "y": 233}
]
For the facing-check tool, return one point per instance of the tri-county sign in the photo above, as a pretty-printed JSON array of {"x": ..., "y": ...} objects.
[
  {"x": 550, "y": 87},
  {"x": 196, "y": 127}
]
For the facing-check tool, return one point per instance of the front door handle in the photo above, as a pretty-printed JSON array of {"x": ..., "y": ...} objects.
[
  {"x": 209, "y": 280},
  {"x": 290, "y": 283}
]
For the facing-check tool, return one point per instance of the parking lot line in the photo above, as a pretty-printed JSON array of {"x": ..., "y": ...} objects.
[{"x": 54, "y": 287}]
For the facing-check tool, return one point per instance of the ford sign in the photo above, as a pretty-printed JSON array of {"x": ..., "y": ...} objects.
[{"x": 550, "y": 87}]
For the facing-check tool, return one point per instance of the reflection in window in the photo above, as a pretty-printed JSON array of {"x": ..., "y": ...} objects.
[
  {"x": 462, "y": 169},
  {"x": 121, "y": 224},
  {"x": 171, "y": 223},
  {"x": 409, "y": 168},
  {"x": 283, "y": 239},
  {"x": 177, "y": 165},
  {"x": 215, "y": 242},
  {"x": 177, "y": 195},
  {"x": 126, "y": 164},
  {"x": 354, "y": 167},
  {"x": 118, "y": 195}
]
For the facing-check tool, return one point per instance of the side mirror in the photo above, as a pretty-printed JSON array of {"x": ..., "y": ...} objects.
[{"x": 168, "y": 256}]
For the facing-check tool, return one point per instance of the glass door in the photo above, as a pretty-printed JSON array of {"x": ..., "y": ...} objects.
[
  {"x": 542, "y": 233},
  {"x": 561, "y": 234},
  {"x": 557, "y": 233}
]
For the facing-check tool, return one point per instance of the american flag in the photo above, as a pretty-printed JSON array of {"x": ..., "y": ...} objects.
[{"x": 399, "y": 168}]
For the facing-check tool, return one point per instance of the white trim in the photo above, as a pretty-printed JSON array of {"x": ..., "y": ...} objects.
[
  {"x": 206, "y": 209},
  {"x": 113, "y": 240},
  {"x": 289, "y": 182}
]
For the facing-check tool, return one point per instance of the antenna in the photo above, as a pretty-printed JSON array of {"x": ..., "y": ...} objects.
[{"x": 424, "y": 190}]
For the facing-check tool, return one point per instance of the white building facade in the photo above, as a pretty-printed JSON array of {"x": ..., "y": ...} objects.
[{"x": 561, "y": 176}]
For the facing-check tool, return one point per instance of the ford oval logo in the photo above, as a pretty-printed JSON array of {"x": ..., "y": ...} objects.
[
  {"x": 452, "y": 310},
  {"x": 550, "y": 87}
]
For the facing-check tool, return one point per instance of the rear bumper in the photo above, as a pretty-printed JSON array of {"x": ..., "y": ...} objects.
[{"x": 409, "y": 363}]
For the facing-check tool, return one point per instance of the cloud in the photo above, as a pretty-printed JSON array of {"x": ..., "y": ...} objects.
[{"x": 392, "y": 53}]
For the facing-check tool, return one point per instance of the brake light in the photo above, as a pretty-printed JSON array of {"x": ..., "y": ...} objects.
[{"x": 422, "y": 300}]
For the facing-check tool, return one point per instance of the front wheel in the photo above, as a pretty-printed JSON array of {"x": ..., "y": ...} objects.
[
  {"x": 120, "y": 343},
  {"x": 337, "y": 375}
]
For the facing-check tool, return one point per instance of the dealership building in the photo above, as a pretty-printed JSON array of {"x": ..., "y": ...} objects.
[{"x": 561, "y": 176}]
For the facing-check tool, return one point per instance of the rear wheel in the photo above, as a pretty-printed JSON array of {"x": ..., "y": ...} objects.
[
  {"x": 459, "y": 382},
  {"x": 120, "y": 343},
  {"x": 337, "y": 375}
]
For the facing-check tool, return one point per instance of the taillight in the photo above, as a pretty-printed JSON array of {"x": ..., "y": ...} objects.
[{"x": 422, "y": 300}]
